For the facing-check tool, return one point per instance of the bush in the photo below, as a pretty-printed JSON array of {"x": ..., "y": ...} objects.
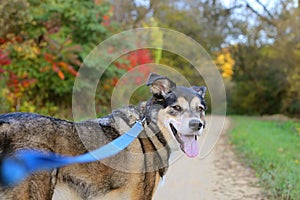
[{"x": 42, "y": 45}]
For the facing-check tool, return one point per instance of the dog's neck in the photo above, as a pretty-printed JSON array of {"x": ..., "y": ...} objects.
[
  {"x": 149, "y": 111},
  {"x": 145, "y": 109}
]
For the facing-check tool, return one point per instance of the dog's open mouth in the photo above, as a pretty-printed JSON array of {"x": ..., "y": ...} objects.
[{"x": 188, "y": 143}]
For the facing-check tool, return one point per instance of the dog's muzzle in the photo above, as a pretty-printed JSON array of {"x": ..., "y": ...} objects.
[
  {"x": 187, "y": 134},
  {"x": 195, "y": 124}
]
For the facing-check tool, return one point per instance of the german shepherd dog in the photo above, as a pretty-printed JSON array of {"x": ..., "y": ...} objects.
[{"x": 174, "y": 118}]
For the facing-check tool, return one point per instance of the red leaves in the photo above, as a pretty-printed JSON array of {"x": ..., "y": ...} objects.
[
  {"x": 2, "y": 41},
  {"x": 106, "y": 20},
  {"x": 28, "y": 82},
  {"x": 19, "y": 83},
  {"x": 4, "y": 59},
  {"x": 58, "y": 66},
  {"x": 49, "y": 58},
  {"x": 105, "y": 17},
  {"x": 140, "y": 57},
  {"x": 16, "y": 84},
  {"x": 135, "y": 58}
]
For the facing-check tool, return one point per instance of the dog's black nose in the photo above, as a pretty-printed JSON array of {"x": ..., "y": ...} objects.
[{"x": 195, "y": 124}]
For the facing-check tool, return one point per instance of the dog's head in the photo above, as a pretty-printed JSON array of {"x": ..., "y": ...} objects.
[{"x": 180, "y": 111}]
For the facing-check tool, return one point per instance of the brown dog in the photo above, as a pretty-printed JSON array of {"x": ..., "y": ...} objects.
[{"x": 174, "y": 118}]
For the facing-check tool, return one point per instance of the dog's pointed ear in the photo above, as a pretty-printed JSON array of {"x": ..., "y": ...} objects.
[
  {"x": 201, "y": 90},
  {"x": 160, "y": 85}
]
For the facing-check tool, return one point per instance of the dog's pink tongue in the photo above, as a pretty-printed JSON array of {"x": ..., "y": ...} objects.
[{"x": 191, "y": 147}]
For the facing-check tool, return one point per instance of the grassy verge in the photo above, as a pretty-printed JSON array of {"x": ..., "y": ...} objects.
[{"x": 272, "y": 148}]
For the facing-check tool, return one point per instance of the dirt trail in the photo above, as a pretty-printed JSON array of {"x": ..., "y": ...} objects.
[{"x": 219, "y": 176}]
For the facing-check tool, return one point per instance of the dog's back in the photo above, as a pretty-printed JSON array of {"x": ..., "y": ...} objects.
[{"x": 79, "y": 181}]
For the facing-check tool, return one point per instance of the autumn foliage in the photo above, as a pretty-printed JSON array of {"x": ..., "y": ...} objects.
[
  {"x": 39, "y": 59},
  {"x": 43, "y": 44},
  {"x": 137, "y": 58},
  {"x": 41, "y": 53}
]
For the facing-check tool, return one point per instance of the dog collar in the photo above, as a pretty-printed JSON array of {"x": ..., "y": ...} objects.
[{"x": 27, "y": 161}]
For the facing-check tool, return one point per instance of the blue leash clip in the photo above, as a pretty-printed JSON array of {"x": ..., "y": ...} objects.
[{"x": 25, "y": 162}]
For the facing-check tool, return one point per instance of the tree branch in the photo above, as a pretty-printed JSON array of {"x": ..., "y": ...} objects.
[
  {"x": 265, "y": 8},
  {"x": 142, "y": 13},
  {"x": 261, "y": 16}
]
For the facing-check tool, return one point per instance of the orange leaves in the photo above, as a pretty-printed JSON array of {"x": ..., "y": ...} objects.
[
  {"x": 61, "y": 75},
  {"x": 58, "y": 66},
  {"x": 58, "y": 71},
  {"x": 61, "y": 55},
  {"x": 51, "y": 59},
  {"x": 68, "y": 68},
  {"x": 106, "y": 20},
  {"x": 28, "y": 82}
]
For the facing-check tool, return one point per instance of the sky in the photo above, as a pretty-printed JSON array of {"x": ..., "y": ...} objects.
[
  {"x": 240, "y": 13},
  {"x": 268, "y": 3},
  {"x": 228, "y": 3}
]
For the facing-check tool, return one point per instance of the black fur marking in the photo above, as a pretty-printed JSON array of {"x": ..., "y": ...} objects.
[
  {"x": 171, "y": 99},
  {"x": 151, "y": 122},
  {"x": 203, "y": 103},
  {"x": 164, "y": 102},
  {"x": 122, "y": 115},
  {"x": 110, "y": 132},
  {"x": 154, "y": 147},
  {"x": 143, "y": 149},
  {"x": 6, "y": 145},
  {"x": 86, "y": 189},
  {"x": 105, "y": 121},
  {"x": 155, "y": 104},
  {"x": 3, "y": 122}
]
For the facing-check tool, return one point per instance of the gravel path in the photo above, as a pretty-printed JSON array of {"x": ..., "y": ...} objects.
[{"x": 219, "y": 176}]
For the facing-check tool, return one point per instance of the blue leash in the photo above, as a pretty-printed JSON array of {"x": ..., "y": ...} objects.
[{"x": 25, "y": 162}]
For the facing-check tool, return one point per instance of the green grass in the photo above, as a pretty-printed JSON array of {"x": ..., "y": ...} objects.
[{"x": 272, "y": 148}]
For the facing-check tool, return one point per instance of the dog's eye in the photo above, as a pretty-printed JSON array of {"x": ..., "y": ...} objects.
[
  {"x": 200, "y": 108},
  {"x": 177, "y": 108}
]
